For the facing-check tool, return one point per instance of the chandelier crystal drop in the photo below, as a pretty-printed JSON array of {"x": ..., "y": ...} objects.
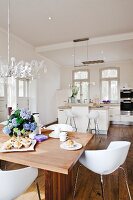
[{"x": 22, "y": 69}]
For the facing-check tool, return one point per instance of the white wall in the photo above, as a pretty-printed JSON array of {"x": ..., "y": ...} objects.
[
  {"x": 42, "y": 91},
  {"x": 46, "y": 92},
  {"x": 126, "y": 76}
]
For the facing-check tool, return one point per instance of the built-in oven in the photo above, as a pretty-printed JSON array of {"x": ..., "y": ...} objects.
[
  {"x": 126, "y": 93},
  {"x": 126, "y": 106}
]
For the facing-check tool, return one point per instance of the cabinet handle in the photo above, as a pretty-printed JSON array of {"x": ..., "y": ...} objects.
[{"x": 61, "y": 110}]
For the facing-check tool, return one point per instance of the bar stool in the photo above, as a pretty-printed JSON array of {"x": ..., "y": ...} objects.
[
  {"x": 93, "y": 115},
  {"x": 70, "y": 118}
]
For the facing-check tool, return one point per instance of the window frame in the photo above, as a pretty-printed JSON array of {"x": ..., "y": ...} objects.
[
  {"x": 109, "y": 80},
  {"x": 25, "y": 81},
  {"x": 80, "y": 81}
]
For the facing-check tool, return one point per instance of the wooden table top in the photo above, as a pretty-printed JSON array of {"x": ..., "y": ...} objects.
[{"x": 48, "y": 155}]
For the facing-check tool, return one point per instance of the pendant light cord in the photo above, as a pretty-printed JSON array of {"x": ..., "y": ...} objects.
[
  {"x": 8, "y": 33},
  {"x": 87, "y": 50},
  {"x": 74, "y": 53}
]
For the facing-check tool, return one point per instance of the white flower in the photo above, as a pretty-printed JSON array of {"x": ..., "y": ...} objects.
[{"x": 75, "y": 90}]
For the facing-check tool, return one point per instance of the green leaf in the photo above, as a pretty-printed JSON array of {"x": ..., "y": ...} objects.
[{"x": 20, "y": 120}]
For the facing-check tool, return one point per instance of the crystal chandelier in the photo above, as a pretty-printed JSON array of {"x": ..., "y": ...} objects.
[{"x": 22, "y": 69}]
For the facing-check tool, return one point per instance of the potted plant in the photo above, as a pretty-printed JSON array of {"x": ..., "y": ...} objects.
[
  {"x": 20, "y": 123},
  {"x": 75, "y": 90}
]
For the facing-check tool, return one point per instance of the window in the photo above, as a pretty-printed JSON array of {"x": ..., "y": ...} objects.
[
  {"x": 110, "y": 84},
  {"x": 81, "y": 80},
  {"x": 11, "y": 91},
  {"x": 23, "y": 88}
]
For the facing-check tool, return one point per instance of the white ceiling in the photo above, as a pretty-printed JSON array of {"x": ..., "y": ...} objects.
[
  {"x": 72, "y": 19},
  {"x": 115, "y": 51}
]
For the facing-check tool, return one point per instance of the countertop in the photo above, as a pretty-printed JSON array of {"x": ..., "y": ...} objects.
[{"x": 90, "y": 105}]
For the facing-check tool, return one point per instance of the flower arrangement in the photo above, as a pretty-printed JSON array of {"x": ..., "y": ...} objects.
[
  {"x": 75, "y": 90},
  {"x": 20, "y": 123}
]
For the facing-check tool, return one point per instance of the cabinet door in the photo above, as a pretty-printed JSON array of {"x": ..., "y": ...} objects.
[
  {"x": 114, "y": 113},
  {"x": 81, "y": 118},
  {"x": 126, "y": 118},
  {"x": 103, "y": 120},
  {"x": 62, "y": 116}
]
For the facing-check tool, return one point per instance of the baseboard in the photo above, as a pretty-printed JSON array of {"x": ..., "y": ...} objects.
[{"x": 55, "y": 122}]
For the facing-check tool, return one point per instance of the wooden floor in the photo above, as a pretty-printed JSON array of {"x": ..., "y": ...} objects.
[{"x": 88, "y": 187}]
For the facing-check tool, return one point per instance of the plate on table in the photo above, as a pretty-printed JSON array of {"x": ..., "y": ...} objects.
[
  {"x": 75, "y": 146},
  {"x": 30, "y": 148},
  {"x": 54, "y": 135}
]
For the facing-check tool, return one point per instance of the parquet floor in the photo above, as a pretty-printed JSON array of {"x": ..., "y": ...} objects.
[
  {"x": 115, "y": 189},
  {"x": 88, "y": 187}
]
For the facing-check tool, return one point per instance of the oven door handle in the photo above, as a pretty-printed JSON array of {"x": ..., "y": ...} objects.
[
  {"x": 126, "y": 92},
  {"x": 126, "y": 101}
]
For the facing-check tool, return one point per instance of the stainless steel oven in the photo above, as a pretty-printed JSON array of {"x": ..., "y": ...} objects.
[
  {"x": 126, "y": 93},
  {"x": 126, "y": 106}
]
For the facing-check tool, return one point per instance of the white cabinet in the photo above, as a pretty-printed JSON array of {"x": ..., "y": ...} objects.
[
  {"x": 62, "y": 116},
  {"x": 114, "y": 114},
  {"x": 103, "y": 120},
  {"x": 81, "y": 118},
  {"x": 116, "y": 117},
  {"x": 126, "y": 119}
]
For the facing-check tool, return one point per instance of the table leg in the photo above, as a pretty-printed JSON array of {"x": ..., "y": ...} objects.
[{"x": 58, "y": 186}]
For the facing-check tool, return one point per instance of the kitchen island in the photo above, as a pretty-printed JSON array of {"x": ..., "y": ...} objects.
[{"x": 81, "y": 119}]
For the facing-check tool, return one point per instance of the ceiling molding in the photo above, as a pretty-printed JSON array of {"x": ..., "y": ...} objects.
[
  {"x": 91, "y": 41},
  {"x": 105, "y": 64}
]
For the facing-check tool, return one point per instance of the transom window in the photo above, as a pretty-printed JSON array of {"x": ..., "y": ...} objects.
[
  {"x": 81, "y": 80},
  {"x": 110, "y": 84}
]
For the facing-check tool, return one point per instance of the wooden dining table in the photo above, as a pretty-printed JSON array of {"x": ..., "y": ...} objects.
[{"x": 57, "y": 163}]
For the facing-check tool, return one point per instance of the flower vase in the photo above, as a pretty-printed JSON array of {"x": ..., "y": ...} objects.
[{"x": 73, "y": 99}]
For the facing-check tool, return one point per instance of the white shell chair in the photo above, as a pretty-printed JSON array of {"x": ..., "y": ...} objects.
[
  {"x": 15, "y": 182},
  {"x": 61, "y": 127},
  {"x": 106, "y": 161}
]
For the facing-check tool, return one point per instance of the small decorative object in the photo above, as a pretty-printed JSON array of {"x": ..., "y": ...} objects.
[
  {"x": 40, "y": 137},
  {"x": 20, "y": 123},
  {"x": 106, "y": 101}
]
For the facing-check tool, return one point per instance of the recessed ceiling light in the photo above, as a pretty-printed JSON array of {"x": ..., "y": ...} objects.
[{"x": 50, "y": 18}]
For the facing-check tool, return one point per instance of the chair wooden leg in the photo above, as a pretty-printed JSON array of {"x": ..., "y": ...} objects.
[
  {"x": 76, "y": 181},
  {"x": 38, "y": 190},
  {"x": 102, "y": 187},
  {"x": 3, "y": 165},
  {"x": 125, "y": 177}
]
